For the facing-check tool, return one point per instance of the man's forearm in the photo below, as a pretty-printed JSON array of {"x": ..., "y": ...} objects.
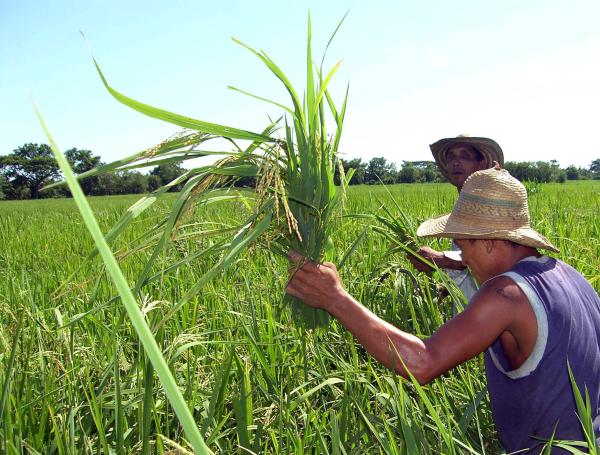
[
  {"x": 382, "y": 340},
  {"x": 439, "y": 258},
  {"x": 449, "y": 263}
]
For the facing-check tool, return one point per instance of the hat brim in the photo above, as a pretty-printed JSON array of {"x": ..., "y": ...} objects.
[
  {"x": 489, "y": 149},
  {"x": 440, "y": 227}
]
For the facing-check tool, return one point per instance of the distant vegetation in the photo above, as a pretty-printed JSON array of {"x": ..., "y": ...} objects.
[{"x": 25, "y": 171}]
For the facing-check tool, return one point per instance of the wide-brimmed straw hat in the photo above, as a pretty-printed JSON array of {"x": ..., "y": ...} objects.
[
  {"x": 491, "y": 205},
  {"x": 489, "y": 149}
]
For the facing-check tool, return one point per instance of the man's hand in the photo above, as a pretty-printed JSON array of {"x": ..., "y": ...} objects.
[
  {"x": 437, "y": 257},
  {"x": 317, "y": 285}
]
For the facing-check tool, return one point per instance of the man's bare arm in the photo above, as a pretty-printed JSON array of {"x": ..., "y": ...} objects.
[
  {"x": 462, "y": 338},
  {"x": 437, "y": 257}
]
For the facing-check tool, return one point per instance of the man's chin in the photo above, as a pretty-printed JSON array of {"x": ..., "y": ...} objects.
[{"x": 457, "y": 180}]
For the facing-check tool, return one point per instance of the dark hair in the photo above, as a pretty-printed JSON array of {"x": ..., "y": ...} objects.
[{"x": 478, "y": 155}]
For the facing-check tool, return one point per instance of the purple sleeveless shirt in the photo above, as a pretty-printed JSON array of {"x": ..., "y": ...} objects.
[{"x": 532, "y": 399}]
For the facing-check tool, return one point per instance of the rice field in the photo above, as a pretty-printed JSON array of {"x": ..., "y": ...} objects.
[{"x": 74, "y": 379}]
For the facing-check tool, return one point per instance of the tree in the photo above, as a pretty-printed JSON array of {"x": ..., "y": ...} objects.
[
  {"x": 360, "y": 169},
  {"x": 595, "y": 169},
  {"x": 108, "y": 184},
  {"x": 132, "y": 182},
  {"x": 82, "y": 161},
  {"x": 544, "y": 172},
  {"x": 154, "y": 182},
  {"x": 167, "y": 173},
  {"x": 379, "y": 169},
  {"x": 572, "y": 173},
  {"x": 30, "y": 166},
  {"x": 420, "y": 171},
  {"x": 4, "y": 187},
  {"x": 409, "y": 173}
]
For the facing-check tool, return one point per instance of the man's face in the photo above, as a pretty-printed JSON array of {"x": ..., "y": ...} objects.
[
  {"x": 475, "y": 256},
  {"x": 480, "y": 257},
  {"x": 462, "y": 162}
]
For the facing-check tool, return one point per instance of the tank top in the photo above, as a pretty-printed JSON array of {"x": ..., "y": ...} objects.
[{"x": 536, "y": 399}]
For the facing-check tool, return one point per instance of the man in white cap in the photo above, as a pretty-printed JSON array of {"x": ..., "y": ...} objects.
[
  {"x": 530, "y": 316},
  {"x": 457, "y": 158}
]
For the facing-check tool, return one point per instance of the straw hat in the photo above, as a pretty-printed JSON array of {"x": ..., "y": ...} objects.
[
  {"x": 491, "y": 205},
  {"x": 489, "y": 148}
]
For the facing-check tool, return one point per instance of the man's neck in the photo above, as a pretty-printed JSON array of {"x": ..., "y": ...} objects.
[
  {"x": 523, "y": 252},
  {"x": 509, "y": 255}
]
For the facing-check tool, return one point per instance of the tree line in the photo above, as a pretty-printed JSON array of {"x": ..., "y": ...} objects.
[{"x": 29, "y": 168}]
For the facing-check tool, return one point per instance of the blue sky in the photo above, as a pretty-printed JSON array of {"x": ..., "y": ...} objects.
[{"x": 524, "y": 73}]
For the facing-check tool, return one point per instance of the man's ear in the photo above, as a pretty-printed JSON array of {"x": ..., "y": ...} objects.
[{"x": 489, "y": 245}]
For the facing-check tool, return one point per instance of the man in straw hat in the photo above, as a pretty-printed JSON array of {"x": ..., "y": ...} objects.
[
  {"x": 530, "y": 316},
  {"x": 457, "y": 158}
]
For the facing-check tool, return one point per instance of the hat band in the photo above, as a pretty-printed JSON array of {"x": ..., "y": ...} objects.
[
  {"x": 498, "y": 214},
  {"x": 489, "y": 200},
  {"x": 476, "y": 223}
]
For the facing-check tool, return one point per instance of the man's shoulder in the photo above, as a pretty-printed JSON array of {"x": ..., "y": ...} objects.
[{"x": 501, "y": 289}]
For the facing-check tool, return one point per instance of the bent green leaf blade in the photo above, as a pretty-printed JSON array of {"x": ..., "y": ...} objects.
[{"x": 180, "y": 120}]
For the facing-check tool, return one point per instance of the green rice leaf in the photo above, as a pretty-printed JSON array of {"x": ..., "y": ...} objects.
[
  {"x": 280, "y": 75},
  {"x": 139, "y": 323},
  {"x": 311, "y": 103},
  {"x": 180, "y": 120},
  {"x": 584, "y": 412},
  {"x": 241, "y": 241},
  {"x": 309, "y": 393},
  {"x": 287, "y": 109}
]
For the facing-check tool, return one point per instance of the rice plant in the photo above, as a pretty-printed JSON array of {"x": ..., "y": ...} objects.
[
  {"x": 295, "y": 203},
  {"x": 135, "y": 314}
]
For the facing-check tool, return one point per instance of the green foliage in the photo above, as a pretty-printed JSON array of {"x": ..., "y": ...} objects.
[
  {"x": 539, "y": 171},
  {"x": 408, "y": 174},
  {"x": 428, "y": 171},
  {"x": 357, "y": 167},
  {"x": 380, "y": 170},
  {"x": 295, "y": 203},
  {"x": 28, "y": 168},
  {"x": 74, "y": 336},
  {"x": 572, "y": 173},
  {"x": 98, "y": 183},
  {"x": 595, "y": 169},
  {"x": 4, "y": 187},
  {"x": 82, "y": 161},
  {"x": 132, "y": 182},
  {"x": 166, "y": 173},
  {"x": 142, "y": 329}
]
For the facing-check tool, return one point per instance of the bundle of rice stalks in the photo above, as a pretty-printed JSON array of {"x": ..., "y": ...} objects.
[{"x": 293, "y": 161}]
